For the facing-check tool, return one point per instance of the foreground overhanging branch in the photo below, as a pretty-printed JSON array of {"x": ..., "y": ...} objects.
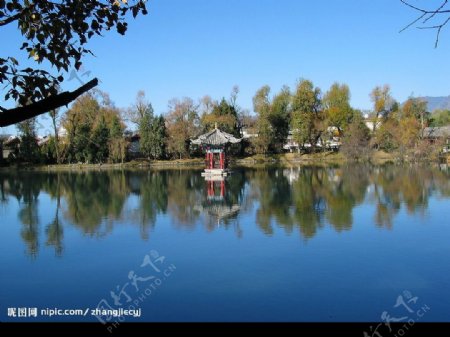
[{"x": 16, "y": 115}]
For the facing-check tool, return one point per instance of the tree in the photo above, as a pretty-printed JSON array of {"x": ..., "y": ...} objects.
[
  {"x": 383, "y": 104},
  {"x": 416, "y": 108},
  {"x": 145, "y": 131},
  {"x": 54, "y": 34},
  {"x": 224, "y": 115},
  {"x": 233, "y": 98},
  {"x": 141, "y": 108},
  {"x": 440, "y": 118},
  {"x": 78, "y": 122},
  {"x": 386, "y": 135},
  {"x": 47, "y": 151},
  {"x": 401, "y": 130},
  {"x": 337, "y": 109},
  {"x": 355, "y": 142},
  {"x": 158, "y": 138},
  {"x": 99, "y": 140},
  {"x": 407, "y": 135},
  {"x": 88, "y": 123},
  {"x": 307, "y": 117},
  {"x": 182, "y": 125},
  {"x": 117, "y": 144},
  {"x": 280, "y": 114},
  {"x": 28, "y": 149},
  {"x": 80, "y": 145},
  {"x": 261, "y": 105},
  {"x": 434, "y": 19}
]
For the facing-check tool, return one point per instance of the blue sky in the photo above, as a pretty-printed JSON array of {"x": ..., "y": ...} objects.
[{"x": 198, "y": 47}]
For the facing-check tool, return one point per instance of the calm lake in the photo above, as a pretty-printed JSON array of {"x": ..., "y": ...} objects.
[{"x": 308, "y": 244}]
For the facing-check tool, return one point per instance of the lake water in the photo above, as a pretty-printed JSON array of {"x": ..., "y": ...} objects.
[{"x": 351, "y": 243}]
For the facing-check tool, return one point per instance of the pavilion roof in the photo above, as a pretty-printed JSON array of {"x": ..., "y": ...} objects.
[
  {"x": 219, "y": 211},
  {"x": 216, "y": 137}
]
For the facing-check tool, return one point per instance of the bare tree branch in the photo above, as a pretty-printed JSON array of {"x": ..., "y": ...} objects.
[
  {"x": 440, "y": 13},
  {"x": 436, "y": 12},
  {"x": 438, "y": 28},
  {"x": 16, "y": 115}
]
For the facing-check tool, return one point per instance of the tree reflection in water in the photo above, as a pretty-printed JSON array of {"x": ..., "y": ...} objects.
[{"x": 302, "y": 199}]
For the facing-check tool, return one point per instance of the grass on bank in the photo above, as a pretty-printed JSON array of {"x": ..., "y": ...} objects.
[{"x": 286, "y": 159}]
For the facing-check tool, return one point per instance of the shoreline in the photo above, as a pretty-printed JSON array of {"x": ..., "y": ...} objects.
[{"x": 284, "y": 160}]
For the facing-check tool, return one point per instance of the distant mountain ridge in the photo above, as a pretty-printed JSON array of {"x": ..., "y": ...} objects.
[{"x": 439, "y": 102}]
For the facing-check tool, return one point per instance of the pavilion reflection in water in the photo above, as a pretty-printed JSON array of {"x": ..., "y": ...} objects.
[{"x": 217, "y": 206}]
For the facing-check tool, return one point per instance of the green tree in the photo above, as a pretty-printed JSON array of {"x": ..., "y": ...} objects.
[
  {"x": 80, "y": 145},
  {"x": 117, "y": 144},
  {"x": 224, "y": 115},
  {"x": 99, "y": 149},
  {"x": 336, "y": 104},
  {"x": 153, "y": 135},
  {"x": 261, "y": 105},
  {"x": 145, "y": 131},
  {"x": 280, "y": 115},
  {"x": 54, "y": 33},
  {"x": 440, "y": 118},
  {"x": 28, "y": 149},
  {"x": 355, "y": 142},
  {"x": 159, "y": 138},
  {"x": 307, "y": 117},
  {"x": 78, "y": 122},
  {"x": 385, "y": 135},
  {"x": 91, "y": 124},
  {"x": 48, "y": 151}
]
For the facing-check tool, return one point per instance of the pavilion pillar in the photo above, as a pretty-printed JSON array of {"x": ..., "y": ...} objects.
[
  {"x": 222, "y": 188},
  {"x": 211, "y": 160},
  {"x": 222, "y": 160},
  {"x": 210, "y": 188}
]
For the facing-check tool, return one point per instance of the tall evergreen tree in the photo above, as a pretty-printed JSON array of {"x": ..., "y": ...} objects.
[
  {"x": 158, "y": 137},
  {"x": 145, "y": 131}
]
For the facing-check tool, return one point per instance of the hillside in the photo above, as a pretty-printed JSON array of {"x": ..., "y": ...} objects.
[{"x": 439, "y": 102}]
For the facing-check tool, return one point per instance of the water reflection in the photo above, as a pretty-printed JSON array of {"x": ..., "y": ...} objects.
[
  {"x": 300, "y": 199},
  {"x": 221, "y": 202}
]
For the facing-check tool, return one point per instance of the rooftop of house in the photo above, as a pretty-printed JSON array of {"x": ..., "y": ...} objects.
[{"x": 437, "y": 132}]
